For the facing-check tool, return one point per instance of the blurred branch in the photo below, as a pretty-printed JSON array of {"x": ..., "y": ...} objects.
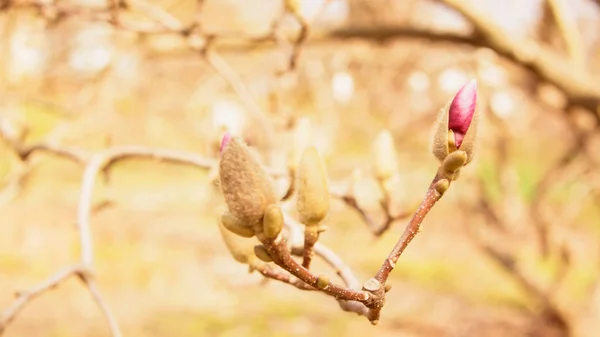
[
  {"x": 377, "y": 228},
  {"x": 579, "y": 86},
  {"x": 325, "y": 253},
  {"x": 568, "y": 26},
  {"x": 94, "y": 164},
  {"x": 550, "y": 310},
  {"x": 507, "y": 255},
  {"x": 577, "y": 83},
  {"x": 25, "y": 297}
]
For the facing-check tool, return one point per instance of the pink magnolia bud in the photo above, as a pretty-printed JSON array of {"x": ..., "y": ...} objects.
[
  {"x": 461, "y": 111},
  {"x": 225, "y": 141}
]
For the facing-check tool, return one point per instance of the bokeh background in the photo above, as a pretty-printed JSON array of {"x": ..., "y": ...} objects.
[{"x": 512, "y": 249}]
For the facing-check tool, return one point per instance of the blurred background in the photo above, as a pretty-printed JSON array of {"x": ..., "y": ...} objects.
[{"x": 512, "y": 249}]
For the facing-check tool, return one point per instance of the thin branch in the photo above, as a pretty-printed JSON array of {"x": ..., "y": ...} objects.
[
  {"x": 267, "y": 272},
  {"x": 104, "y": 308},
  {"x": 378, "y": 229},
  {"x": 567, "y": 24},
  {"x": 508, "y": 263},
  {"x": 25, "y": 297},
  {"x": 213, "y": 58},
  {"x": 322, "y": 251},
  {"x": 411, "y": 230}
]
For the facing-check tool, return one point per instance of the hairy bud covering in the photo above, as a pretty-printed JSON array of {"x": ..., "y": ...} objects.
[
  {"x": 235, "y": 226},
  {"x": 454, "y": 161},
  {"x": 246, "y": 187},
  {"x": 457, "y": 124},
  {"x": 313, "y": 190}
]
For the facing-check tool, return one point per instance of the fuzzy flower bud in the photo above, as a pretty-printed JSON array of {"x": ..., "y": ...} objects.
[
  {"x": 313, "y": 189},
  {"x": 457, "y": 124},
  {"x": 241, "y": 249},
  {"x": 246, "y": 187}
]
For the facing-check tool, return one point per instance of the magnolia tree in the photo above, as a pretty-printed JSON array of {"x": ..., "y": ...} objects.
[{"x": 254, "y": 209}]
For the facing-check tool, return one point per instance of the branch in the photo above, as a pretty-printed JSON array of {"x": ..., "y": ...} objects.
[
  {"x": 94, "y": 164},
  {"x": 411, "y": 230},
  {"x": 26, "y": 296},
  {"x": 579, "y": 86},
  {"x": 568, "y": 26}
]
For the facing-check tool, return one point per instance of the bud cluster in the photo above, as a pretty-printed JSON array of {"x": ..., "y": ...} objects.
[
  {"x": 252, "y": 205},
  {"x": 254, "y": 212}
]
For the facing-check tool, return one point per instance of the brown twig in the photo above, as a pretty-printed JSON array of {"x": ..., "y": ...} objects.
[
  {"x": 411, "y": 230},
  {"x": 322, "y": 251},
  {"x": 269, "y": 273},
  {"x": 311, "y": 236},
  {"x": 378, "y": 229}
]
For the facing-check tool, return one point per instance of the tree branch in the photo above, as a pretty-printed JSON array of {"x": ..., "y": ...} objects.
[
  {"x": 579, "y": 86},
  {"x": 25, "y": 297}
]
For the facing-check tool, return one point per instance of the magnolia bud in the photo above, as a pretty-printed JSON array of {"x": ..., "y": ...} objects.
[
  {"x": 241, "y": 249},
  {"x": 454, "y": 161},
  {"x": 457, "y": 124},
  {"x": 246, "y": 187},
  {"x": 313, "y": 190},
  {"x": 322, "y": 281},
  {"x": 272, "y": 221},
  {"x": 386, "y": 160},
  {"x": 462, "y": 108},
  {"x": 235, "y": 226},
  {"x": 442, "y": 186},
  {"x": 261, "y": 252}
]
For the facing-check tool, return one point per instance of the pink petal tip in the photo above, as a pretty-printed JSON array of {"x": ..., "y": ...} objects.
[
  {"x": 462, "y": 110},
  {"x": 225, "y": 141}
]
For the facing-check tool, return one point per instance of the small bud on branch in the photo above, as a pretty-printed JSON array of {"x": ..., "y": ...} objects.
[
  {"x": 261, "y": 252},
  {"x": 242, "y": 249},
  {"x": 234, "y": 225},
  {"x": 272, "y": 221}
]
